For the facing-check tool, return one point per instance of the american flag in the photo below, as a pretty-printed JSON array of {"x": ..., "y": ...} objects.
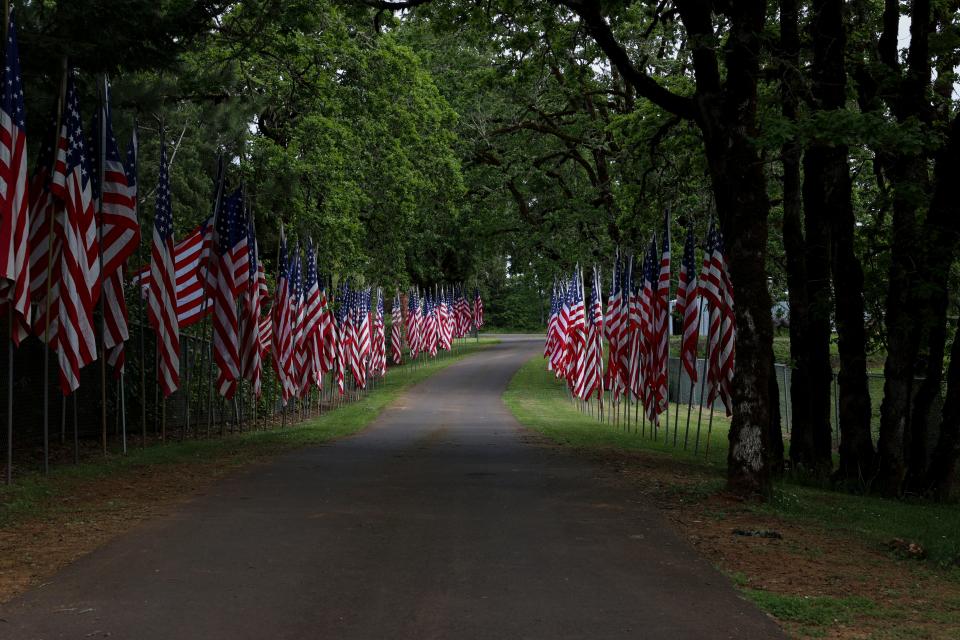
[
  {"x": 282, "y": 322},
  {"x": 614, "y": 317},
  {"x": 477, "y": 309},
  {"x": 590, "y": 380},
  {"x": 312, "y": 329},
  {"x": 661, "y": 328},
  {"x": 463, "y": 313},
  {"x": 343, "y": 336},
  {"x": 79, "y": 260},
  {"x": 576, "y": 334},
  {"x": 299, "y": 355},
  {"x": 251, "y": 340},
  {"x": 266, "y": 334},
  {"x": 378, "y": 348},
  {"x": 191, "y": 256},
  {"x": 648, "y": 322},
  {"x": 230, "y": 232},
  {"x": 162, "y": 297},
  {"x": 451, "y": 318},
  {"x": 640, "y": 339},
  {"x": 718, "y": 291},
  {"x": 433, "y": 326},
  {"x": 360, "y": 337},
  {"x": 688, "y": 307},
  {"x": 364, "y": 329},
  {"x": 14, "y": 190},
  {"x": 551, "y": 324},
  {"x": 628, "y": 339},
  {"x": 396, "y": 331},
  {"x": 559, "y": 353},
  {"x": 42, "y": 246},
  {"x": 328, "y": 333},
  {"x": 119, "y": 230},
  {"x": 414, "y": 328},
  {"x": 358, "y": 367},
  {"x": 444, "y": 328}
]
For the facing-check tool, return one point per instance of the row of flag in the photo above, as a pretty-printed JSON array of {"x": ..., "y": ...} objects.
[
  {"x": 67, "y": 233},
  {"x": 636, "y": 326}
]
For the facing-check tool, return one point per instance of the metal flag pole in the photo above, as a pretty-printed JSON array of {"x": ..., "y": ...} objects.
[
  {"x": 218, "y": 197},
  {"x": 693, "y": 382},
  {"x": 76, "y": 433},
  {"x": 703, "y": 388},
  {"x": 186, "y": 384},
  {"x": 101, "y": 146},
  {"x": 123, "y": 414},
  {"x": 10, "y": 395},
  {"x": 46, "y": 329},
  {"x": 6, "y": 34},
  {"x": 709, "y": 430},
  {"x": 142, "y": 308}
]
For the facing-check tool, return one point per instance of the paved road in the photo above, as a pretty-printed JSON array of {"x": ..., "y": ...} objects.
[{"x": 438, "y": 522}]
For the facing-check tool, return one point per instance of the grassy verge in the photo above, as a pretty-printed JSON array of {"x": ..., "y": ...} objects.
[
  {"x": 540, "y": 401},
  {"x": 833, "y": 572},
  {"x": 35, "y": 494}
]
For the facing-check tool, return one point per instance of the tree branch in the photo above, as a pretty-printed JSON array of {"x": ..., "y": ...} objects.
[{"x": 645, "y": 86}]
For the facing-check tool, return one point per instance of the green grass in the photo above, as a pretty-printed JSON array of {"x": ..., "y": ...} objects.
[
  {"x": 819, "y": 611},
  {"x": 31, "y": 495},
  {"x": 541, "y": 402},
  {"x": 876, "y": 520}
]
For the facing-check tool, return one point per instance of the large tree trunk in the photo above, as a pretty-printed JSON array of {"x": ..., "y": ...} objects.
[
  {"x": 801, "y": 435},
  {"x": 857, "y": 455},
  {"x": 829, "y": 86},
  {"x": 909, "y": 177},
  {"x": 813, "y": 451},
  {"x": 943, "y": 467},
  {"x": 740, "y": 189},
  {"x": 943, "y": 232},
  {"x": 903, "y": 339}
]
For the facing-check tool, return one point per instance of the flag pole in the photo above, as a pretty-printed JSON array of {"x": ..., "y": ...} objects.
[
  {"x": 123, "y": 413},
  {"x": 9, "y": 480},
  {"x": 692, "y": 382},
  {"x": 76, "y": 432},
  {"x": 101, "y": 144},
  {"x": 143, "y": 311},
  {"x": 10, "y": 389},
  {"x": 218, "y": 195},
  {"x": 46, "y": 329}
]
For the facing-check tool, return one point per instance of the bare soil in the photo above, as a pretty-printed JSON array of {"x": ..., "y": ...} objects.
[{"x": 913, "y": 599}]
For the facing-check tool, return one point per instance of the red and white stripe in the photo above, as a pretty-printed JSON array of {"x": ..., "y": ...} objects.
[
  {"x": 14, "y": 196},
  {"x": 282, "y": 324},
  {"x": 251, "y": 337},
  {"x": 78, "y": 263},
  {"x": 396, "y": 331},
  {"x": 161, "y": 293},
  {"x": 191, "y": 256}
]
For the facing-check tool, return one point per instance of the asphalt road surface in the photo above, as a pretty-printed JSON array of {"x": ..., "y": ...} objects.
[{"x": 440, "y": 521}]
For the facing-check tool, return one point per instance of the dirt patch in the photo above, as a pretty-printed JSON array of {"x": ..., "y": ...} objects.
[
  {"x": 833, "y": 585},
  {"x": 89, "y": 513}
]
